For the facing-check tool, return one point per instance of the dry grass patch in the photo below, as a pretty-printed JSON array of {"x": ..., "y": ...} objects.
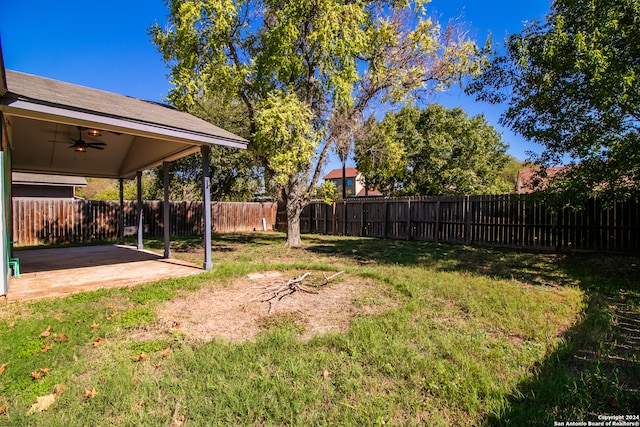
[{"x": 230, "y": 313}]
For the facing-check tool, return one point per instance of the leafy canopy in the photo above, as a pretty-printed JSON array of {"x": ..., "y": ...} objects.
[
  {"x": 571, "y": 84},
  {"x": 308, "y": 72},
  {"x": 435, "y": 151}
]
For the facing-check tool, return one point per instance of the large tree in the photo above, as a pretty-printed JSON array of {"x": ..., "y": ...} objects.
[
  {"x": 308, "y": 72},
  {"x": 434, "y": 151},
  {"x": 572, "y": 84}
]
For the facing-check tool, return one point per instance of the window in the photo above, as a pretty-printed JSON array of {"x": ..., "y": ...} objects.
[{"x": 349, "y": 182}]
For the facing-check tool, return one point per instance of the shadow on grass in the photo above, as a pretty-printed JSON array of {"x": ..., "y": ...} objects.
[
  {"x": 220, "y": 242},
  {"x": 595, "y": 370}
]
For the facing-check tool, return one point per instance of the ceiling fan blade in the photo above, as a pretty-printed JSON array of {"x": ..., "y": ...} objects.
[
  {"x": 96, "y": 147},
  {"x": 96, "y": 143}
]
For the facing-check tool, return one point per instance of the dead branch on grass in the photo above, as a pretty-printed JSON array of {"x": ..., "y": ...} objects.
[{"x": 274, "y": 293}]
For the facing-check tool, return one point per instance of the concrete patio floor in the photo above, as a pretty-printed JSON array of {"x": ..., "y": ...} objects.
[{"x": 54, "y": 272}]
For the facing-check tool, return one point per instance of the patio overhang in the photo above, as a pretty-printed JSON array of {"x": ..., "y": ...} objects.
[{"x": 41, "y": 121}]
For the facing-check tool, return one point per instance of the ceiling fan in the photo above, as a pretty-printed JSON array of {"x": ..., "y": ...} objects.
[{"x": 81, "y": 145}]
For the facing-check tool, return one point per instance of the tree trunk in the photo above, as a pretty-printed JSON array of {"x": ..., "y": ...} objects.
[{"x": 295, "y": 203}]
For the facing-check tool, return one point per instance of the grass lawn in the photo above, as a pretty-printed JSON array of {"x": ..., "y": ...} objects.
[{"x": 440, "y": 335}]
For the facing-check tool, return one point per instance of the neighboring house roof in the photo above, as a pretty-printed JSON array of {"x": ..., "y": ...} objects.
[
  {"x": 337, "y": 173},
  {"x": 529, "y": 181},
  {"x": 23, "y": 178},
  {"x": 371, "y": 192}
]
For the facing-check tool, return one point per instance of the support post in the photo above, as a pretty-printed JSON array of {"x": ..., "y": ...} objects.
[
  {"x": 5, "y": 245},
  {"x": 206, "y": 198},
  {"x": 140, "y": 208},
  {"x": 166, "y": 220},
  {"x": 121, "y": 213}
]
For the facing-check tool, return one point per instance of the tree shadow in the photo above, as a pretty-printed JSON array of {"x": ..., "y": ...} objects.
[{"x": 594, "y": 371}]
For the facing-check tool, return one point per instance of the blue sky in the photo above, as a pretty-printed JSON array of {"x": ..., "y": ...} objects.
[{"x": 104, "y": 45}]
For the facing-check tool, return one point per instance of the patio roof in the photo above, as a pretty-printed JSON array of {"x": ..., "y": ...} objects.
[
  {"x": 44, "y": 116},
  {"x": 41, "y": 120}
]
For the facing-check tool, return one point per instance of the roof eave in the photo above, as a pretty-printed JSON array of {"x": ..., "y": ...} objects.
[{"x": 17, "y": 106}]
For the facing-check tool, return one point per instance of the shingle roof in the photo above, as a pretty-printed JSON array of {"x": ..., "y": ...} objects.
[
  {"x": 53, "y": 92},
  {"x": 337, "y": 173},
  {"x": 48, "y": 180}
]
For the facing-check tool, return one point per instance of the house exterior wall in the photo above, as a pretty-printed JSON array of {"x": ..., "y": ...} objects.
[
  {"x": 45, "y": 191},
  {"x": 351, "y": 186}
]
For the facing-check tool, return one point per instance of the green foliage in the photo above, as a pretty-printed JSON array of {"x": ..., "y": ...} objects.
[
  {"x": 435, "y": 151},
  {"x": 236, "y": 175},
  {"x": 573, "y": 87},
  {"x": 328, "y": 192},
  {"x": 109, "y": 189},
  {"x": 282, "y": 117},
  {"x": 298, "y": 66}
]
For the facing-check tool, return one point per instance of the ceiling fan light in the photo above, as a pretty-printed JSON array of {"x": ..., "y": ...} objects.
[
  {"x": 94, "y": 132},
  {"x": 81, "y": 149}
]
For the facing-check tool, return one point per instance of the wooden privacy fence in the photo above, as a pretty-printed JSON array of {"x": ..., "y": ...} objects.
[
  {"x": 504, "y": 220},
  {"x": 39, "y": 221}
]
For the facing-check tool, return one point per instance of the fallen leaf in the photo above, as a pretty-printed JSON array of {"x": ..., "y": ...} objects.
[
  {"x": 62, "y": 338},
  {"x": 3, "y": 409},
  {"x": 176, "y": 325},
  {"x": 90, "y": 393},
  {"x": 46, "y": 332},
  {"x": 112, "y": 305},
  {"x": 12, "y": 324},
  {"x": 165, "y": 352},
  {"x": 59, "y": 388},
  {"x": 39, "y": 374},
  {"x": 141, "y": 356},
  {"x": 46, "y": 348},
  {"x": 177, "y": 422},
  {"x": 325, "y": 373},
  {"x": 78, "y": 322},
  {"x": 42, "y": 403},
  {"x": 97, "y": 342},
  {"x": 95, "y": 325},
  {"x": 4, "y": 365},
  {"x": 58, "y": 316}
]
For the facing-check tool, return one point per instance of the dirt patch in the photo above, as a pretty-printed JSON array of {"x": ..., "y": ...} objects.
[{"x": 229, "y": 312}]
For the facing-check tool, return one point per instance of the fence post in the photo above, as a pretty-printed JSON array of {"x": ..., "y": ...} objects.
[
  {"x": 362, "y": 221},
  {"x": 467, "y": 222},
  {"x": 344, "y": 217},
  {"x": 408, "y": 218},
  {"x": 386, "y": 219},
  {"x": 436, "y": 231}
]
